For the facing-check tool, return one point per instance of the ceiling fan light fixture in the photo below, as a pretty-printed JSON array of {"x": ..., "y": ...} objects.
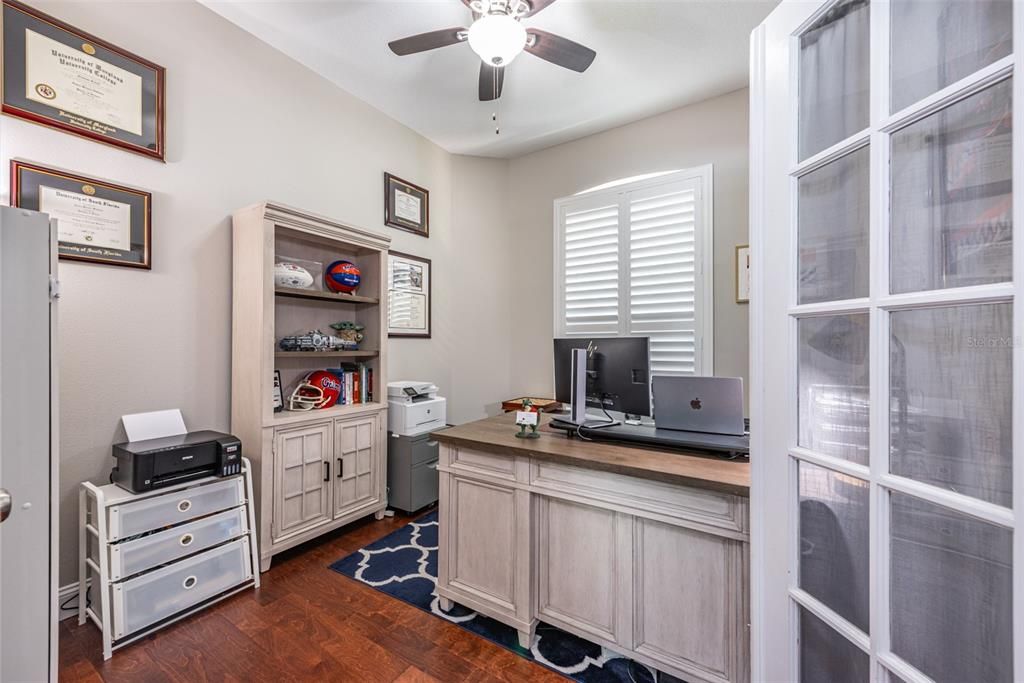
[{"x": 497, "y": 38}]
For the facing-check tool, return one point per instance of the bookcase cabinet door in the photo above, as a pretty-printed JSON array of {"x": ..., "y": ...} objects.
[
  {"x": 302, "y": 492},
  {"x": 357, "y": 462}
]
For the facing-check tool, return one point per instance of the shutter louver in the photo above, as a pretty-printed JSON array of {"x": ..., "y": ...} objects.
[
  {"x": 591, "y": 271},
  {"x": 663, "y": 276}
]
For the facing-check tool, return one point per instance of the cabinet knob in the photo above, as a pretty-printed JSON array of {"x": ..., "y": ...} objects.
[
  {"x": 185, "y": 505},
  {"x": 189, "y": 582}
]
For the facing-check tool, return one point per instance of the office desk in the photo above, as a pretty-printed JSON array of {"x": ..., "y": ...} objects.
[{"x": 643, "y": 551}]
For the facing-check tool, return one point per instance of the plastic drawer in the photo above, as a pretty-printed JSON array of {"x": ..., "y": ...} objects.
[
  {"x": 132, "y": 557},
  {"x": 149, "y": 598},
  {"x": 175, "y": 507}
]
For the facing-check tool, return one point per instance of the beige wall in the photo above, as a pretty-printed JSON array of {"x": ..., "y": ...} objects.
[
  {"x": 245, "y": 123},
  {"x": 715, "y": 132}
]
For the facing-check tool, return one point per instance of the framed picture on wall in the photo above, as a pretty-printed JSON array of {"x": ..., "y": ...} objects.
[
  {"x": 406, "y": 206},
  {"x": 58, "y": 76},
  {"x": 743, "y": 274},
  {"x": 409, "y": 305},
  {"x": 97, "y": 221}
]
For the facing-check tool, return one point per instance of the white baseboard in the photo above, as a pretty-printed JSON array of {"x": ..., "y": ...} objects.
[{"x": 66, "y": 593}]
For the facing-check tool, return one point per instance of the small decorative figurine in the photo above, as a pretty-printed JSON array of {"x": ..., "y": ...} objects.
[
  {"x": 349, "y": 331},
  {"x": 315, "y": 340},
  {"x": 528, "y": 417}
]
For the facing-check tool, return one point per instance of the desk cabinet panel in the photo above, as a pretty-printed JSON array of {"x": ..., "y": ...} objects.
[
  {"x": 679, "y": 573},
  {"x": 583, "y": 555},
  {"x": 483, "y": 541}
]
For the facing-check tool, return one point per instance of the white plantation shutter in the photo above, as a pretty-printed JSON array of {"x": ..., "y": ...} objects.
[
  {"x": 634, "y": 260},
  {"x": 663, "y": 274},
  {"x": 590, "y": 281}
]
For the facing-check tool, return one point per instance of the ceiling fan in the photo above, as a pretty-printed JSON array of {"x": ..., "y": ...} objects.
[{"x": 498, "y": 36}]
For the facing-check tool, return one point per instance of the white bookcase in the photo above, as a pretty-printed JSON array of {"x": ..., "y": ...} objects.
[{"x": 315, "y": 470}]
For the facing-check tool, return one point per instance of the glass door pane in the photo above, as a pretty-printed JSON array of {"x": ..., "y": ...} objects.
[
  {"x": 834, "y": 76},
  {"x": 951, "y": 593},
  {"x": 826, "y": 656},
  {"x": 935, "y": 43},
  {"x": 950, "y": 384},
  {"x": 952, "y": 199},
  {"x": 833, "y": 383},
  {"x": 834, "y": 556},
  {"x": 832, "y": 221}
]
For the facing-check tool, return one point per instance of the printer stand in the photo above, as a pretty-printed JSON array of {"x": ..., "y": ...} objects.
[{"x": 155, "y": 558}]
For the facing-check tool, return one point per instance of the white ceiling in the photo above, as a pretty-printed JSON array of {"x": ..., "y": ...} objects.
[{"x": 651, "y": 57}]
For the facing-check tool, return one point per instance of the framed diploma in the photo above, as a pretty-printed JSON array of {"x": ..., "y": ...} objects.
[
  {"x": 97, "y": 221},
  {"x": 58, "y": 76},
  {"x": 408, "y": 296},
  {"x": 406, "y": 206}
]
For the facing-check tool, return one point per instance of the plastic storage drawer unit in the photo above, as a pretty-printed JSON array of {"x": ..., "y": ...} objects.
[
  {"x": 149, "y": 598},
  {"x": 138, "y": 555},
  {"x": 137, "y": 517}
]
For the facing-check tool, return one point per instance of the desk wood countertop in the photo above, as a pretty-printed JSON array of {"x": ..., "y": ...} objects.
[{"x": 497, "y": 435}]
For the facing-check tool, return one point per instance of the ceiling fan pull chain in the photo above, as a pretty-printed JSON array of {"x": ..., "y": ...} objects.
[{"x": 497, "y": 103}]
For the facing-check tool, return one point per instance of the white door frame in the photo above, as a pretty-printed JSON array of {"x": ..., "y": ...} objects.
[{"x": 773, "y": 389}]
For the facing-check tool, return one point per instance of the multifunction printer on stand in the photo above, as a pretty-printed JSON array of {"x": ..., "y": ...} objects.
[
  {"x": 414, "y": 411},
  {"x": 414, "y": 408}
]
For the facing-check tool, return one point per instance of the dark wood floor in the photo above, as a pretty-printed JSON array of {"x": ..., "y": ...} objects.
[{"x": 305, "y": 622}]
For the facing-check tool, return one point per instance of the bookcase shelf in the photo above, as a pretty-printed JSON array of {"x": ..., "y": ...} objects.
[
  {"x": 327, "y": 354},
  {"x": 289, "y": 417},
  {"x": 325, "y": 296}
]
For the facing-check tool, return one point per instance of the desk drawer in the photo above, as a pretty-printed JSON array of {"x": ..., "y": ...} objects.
[
  {"x": 175, "y": 507},
  {"x": 643, "y": 497},
  {"x": 132, "y": 557},
  {"x": 478, "y": 462},
  {"x": 149, "y": 598}
]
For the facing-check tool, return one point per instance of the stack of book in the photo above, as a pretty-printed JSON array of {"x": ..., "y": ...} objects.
[{"x": 356, "y": 383}]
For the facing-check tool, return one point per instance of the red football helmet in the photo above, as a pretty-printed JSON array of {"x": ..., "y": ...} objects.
[
  {"x": 328, "y": 383},
  {"x": 318, "y": 389}
]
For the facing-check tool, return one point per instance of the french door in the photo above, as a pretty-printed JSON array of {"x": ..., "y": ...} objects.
[{"x": 887, "y": 342}]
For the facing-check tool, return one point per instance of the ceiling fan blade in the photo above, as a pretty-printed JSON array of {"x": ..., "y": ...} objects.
[
  {"x": 492, "y": 79},
  {"x": 537, "y": 6},
  {"x": 559, "y": 50},
  {"x": 428, "y": 41}
]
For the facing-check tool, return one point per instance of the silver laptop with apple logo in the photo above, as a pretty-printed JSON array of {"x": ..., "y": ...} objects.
[{"x": 713, "y": 405}]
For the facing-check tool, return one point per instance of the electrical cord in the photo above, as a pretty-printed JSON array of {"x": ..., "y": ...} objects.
[{"x": 88, "y": 601}]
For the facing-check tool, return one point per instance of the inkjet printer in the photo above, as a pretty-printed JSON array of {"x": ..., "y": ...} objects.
[{"x": 156, "y": 463}]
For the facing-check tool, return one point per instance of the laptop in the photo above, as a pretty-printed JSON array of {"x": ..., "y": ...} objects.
[{"x": 713, "y": 405}]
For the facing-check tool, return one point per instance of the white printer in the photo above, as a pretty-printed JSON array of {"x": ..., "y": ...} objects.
[{"x": 414, "y": 408}]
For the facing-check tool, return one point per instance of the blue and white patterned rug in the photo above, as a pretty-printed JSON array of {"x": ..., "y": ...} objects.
[{"x": 403, "y": 564}]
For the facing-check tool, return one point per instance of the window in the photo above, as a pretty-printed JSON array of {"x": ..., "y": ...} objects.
[{"x": 634, "y": 259}]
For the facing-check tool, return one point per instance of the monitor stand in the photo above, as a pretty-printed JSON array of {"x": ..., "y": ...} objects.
[{"x": 577, "y": 416}]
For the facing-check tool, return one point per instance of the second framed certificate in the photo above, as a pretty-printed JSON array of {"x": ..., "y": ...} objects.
[
  {"x": 408, "y": 296},
  {"x": 96, "y": 221},
  {"x": 58, "y": 76}
]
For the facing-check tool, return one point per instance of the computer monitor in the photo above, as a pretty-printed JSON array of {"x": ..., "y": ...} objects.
[{"x": 617, "y": 372}]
